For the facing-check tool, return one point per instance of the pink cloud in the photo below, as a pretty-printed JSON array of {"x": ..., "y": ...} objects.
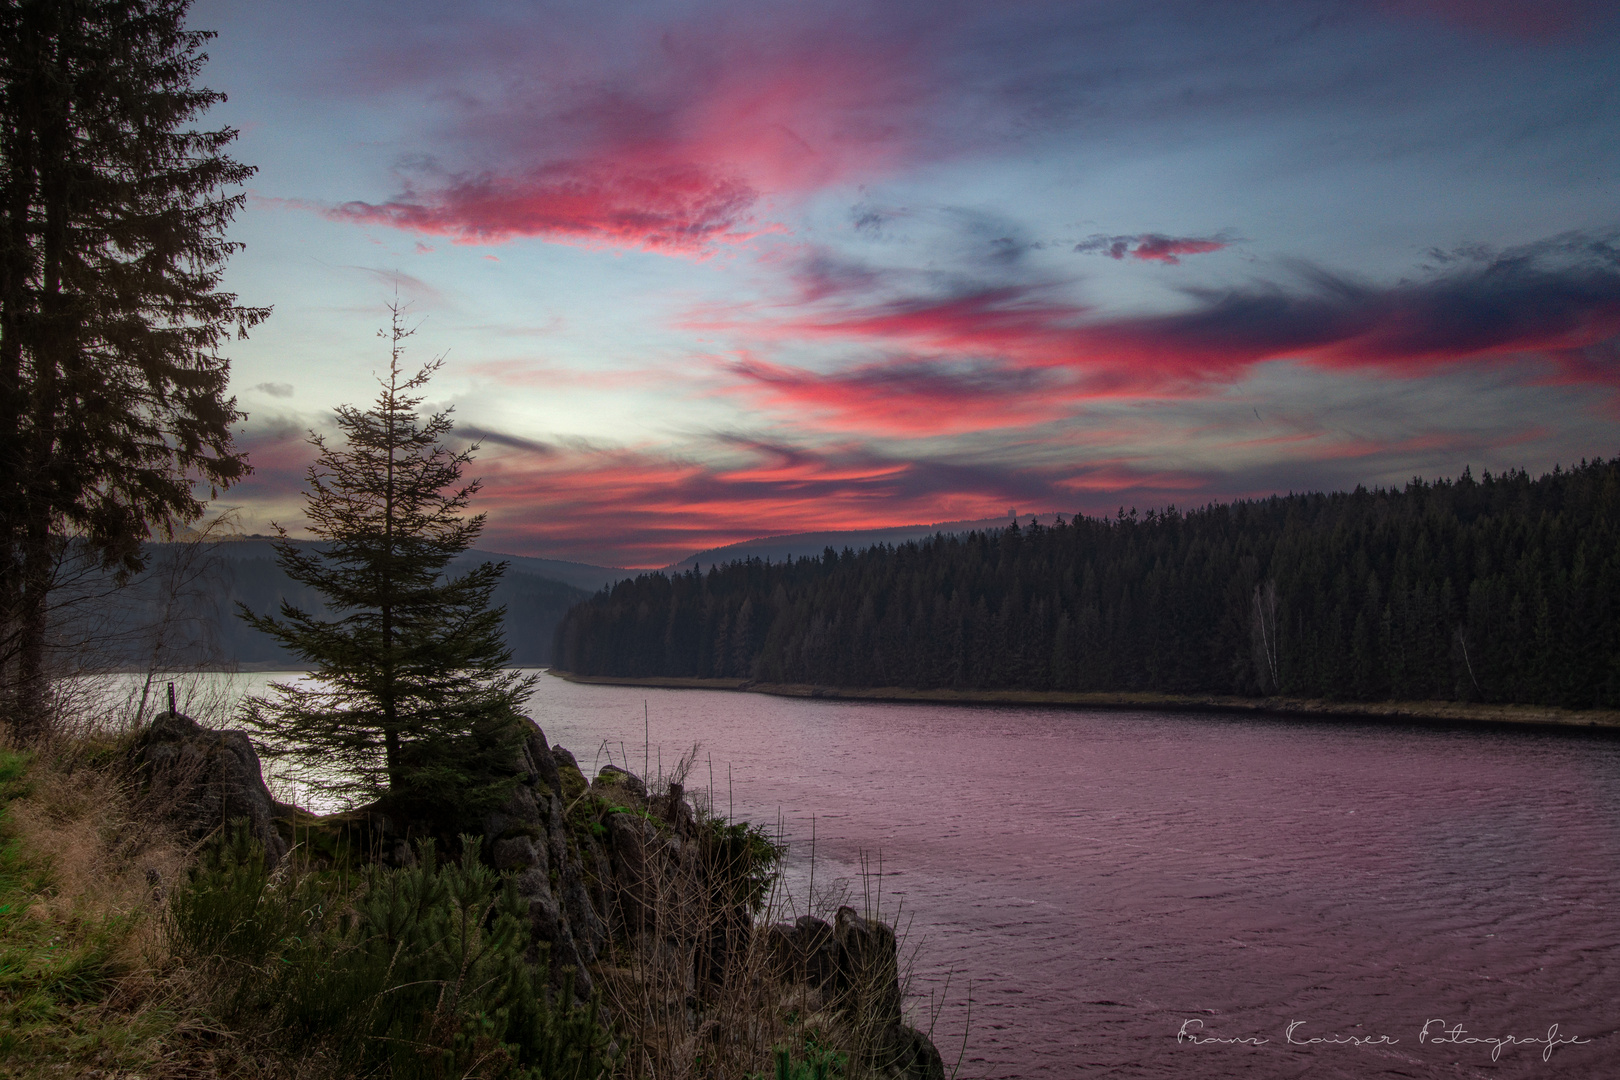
[
  {"x": 907, "y": 397},
  {"x": 677, "y": 209},
  {"x": 673, "y": 139}
]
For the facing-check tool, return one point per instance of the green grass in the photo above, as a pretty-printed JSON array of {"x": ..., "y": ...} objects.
[{"x": 56, "y": 971}]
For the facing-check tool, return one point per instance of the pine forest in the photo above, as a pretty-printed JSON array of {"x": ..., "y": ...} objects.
[{"x": 1500, "y": 589}]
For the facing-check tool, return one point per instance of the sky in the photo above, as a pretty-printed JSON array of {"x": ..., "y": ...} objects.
[{"x": 707, "y": 271}]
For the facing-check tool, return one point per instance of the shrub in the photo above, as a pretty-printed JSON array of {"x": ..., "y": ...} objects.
[
  {"x": 415, "y": 972},
  {"x": 818, "y": 1062},
  {"x": 742, "y": 860}
]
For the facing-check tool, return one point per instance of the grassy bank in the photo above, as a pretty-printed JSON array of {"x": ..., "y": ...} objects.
[{"x": 1430, "y": 711}]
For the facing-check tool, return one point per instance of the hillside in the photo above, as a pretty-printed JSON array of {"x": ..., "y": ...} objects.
[
  {"x": 181, "y": 612},
  {"x": 1504, "y": 589}
]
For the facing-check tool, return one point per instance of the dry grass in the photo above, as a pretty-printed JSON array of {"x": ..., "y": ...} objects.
[
  {"x": 88, "y": 984},
  {"x": 105, "y": 859},
  {"x": 694, "y": 989}
]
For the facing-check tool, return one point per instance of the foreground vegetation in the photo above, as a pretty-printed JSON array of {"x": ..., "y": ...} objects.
[
  {"x": 1501, "y": 590},
  {"x": 83, "y": 987},
  {"x": 131, "y": 947},
  {"x": 411, "y": 972}
]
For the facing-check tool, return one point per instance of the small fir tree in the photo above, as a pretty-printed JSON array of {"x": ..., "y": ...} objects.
[{"x": 410, "y": 699}]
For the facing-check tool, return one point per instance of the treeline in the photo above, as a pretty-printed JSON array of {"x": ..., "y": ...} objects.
[{"x": 1502, "y": 589}]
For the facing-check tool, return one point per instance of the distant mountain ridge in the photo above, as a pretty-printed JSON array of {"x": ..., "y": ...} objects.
[
  {"x": 580, "y": 575},
  {"x": 196, "y": 588}
]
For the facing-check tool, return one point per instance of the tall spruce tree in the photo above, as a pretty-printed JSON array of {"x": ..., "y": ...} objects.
[
  {"x": 412, "y": 701},
  {"x": 113, "y": 403}
]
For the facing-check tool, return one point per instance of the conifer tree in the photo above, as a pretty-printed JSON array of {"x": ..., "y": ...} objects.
[
  {"x": 411, "y": 699},
  {"x": 113, "y": 402}
]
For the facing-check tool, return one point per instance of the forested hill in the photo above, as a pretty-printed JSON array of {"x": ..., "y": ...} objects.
[
  {"x": 1502, "y": 589},
  {"x": 181, "y": 612}
]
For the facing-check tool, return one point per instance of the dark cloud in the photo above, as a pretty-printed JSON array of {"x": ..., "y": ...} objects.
[
  {"x": 1152, "y": 247},
  {"x": 1510, "y": 18},
  {"x": 275, "y": 389},
  {"x": 1544, "y": 300},
  {"x": 474, "y": 433},
  {"x": 1557, "y": 302}
]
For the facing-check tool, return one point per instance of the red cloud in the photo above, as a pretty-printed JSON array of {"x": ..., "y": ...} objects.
[
  {"x": 641, "y": 508},
  {"x": 673, "y": 208},
  {"x": 909, "y": 397},
  {"x": 652, "y": 509},
  {"x": 1010, "y": 333},
  {"x": 1169, "y": 249},
  {"x": 671, "y": 144},
  {"x": 1020, "y": 353}
]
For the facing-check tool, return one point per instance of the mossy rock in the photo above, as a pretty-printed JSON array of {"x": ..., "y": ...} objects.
[{"x": 573, "y": 782}]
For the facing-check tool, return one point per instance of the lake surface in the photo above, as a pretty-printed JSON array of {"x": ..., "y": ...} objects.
[{"x": 1092, "y": 884}]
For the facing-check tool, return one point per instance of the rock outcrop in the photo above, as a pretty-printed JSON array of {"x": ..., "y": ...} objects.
[
  {"x": 604, "y": 866},
  {"x": 851, "y": 968},
  {"x": 205, "y": 779}
]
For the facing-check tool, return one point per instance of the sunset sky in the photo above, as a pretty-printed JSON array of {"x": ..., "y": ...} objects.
[{"x": 708, "y": 271}]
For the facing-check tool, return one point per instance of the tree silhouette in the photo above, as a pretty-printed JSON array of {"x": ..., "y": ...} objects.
[
  {"x": 411, "y": 699},
  {"x": 113, "y": 401}
]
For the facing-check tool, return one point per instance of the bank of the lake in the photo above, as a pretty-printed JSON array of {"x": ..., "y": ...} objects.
[{"x": 1293, "y": 708}]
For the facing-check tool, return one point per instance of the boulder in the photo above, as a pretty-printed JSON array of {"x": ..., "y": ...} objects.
[
  {"x": 631, "y": 840},
  {"x": 613, "y": 776},
  {"x": 571, "y": 782},
  {"x": 518, "y": 853},
  {"x": 868, "y": 968},
  {"x": 904, "y": 1053},
  {"x": 804, "y": 951},
  {"x": 541, "y": 762},
  {"x": 206, "y": 779}
]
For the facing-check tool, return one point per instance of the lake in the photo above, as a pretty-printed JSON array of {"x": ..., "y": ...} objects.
[{"x": 1078, "y": 888}]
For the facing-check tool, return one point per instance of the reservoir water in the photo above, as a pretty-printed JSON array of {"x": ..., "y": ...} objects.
[
  {"x": 1103, "y": 881},
  {"x": 1079, "y": 888}
]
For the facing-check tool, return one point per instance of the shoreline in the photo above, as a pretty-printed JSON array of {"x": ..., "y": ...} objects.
[{"x": 1282, "y": 707}]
